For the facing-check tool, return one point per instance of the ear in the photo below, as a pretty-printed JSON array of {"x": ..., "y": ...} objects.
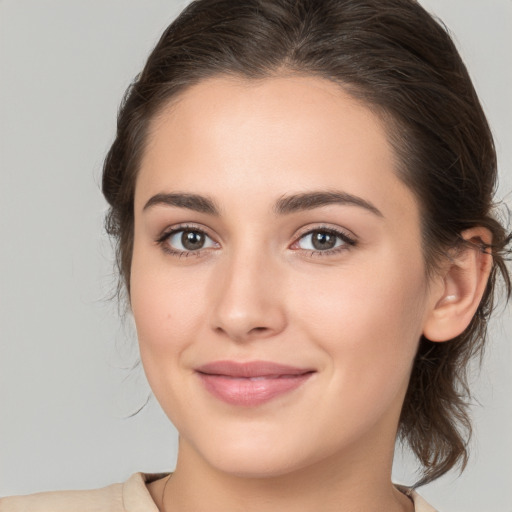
[{"x": 457, "y": 292}]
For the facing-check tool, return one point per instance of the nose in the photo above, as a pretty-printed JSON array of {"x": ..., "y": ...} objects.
[{"x": 247, "y": 302}]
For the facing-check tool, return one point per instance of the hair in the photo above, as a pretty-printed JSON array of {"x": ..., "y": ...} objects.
[{"x": 399, "y": 61}]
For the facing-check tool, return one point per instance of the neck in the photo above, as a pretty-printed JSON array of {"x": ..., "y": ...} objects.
[{"x": 348, "y": 482}]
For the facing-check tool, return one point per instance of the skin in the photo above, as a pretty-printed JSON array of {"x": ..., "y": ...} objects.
[{"x": 259, "y": 292}]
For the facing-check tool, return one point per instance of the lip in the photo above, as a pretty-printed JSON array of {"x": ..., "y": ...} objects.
[{"x": 252, "y": 383}]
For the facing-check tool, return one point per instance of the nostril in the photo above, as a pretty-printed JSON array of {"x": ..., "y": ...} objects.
[{"x": 259, "y": 329}]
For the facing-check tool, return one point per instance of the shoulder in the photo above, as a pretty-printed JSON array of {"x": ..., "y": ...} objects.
[
  {"x": 130, "y": 496},
  {"x": 109, "y": 498}
]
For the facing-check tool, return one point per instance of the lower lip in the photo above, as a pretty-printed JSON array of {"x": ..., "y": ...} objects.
[{"x": 250, "y": 392}]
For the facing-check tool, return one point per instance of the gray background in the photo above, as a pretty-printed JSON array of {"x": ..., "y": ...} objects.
[{"x": 66, "y": 383}]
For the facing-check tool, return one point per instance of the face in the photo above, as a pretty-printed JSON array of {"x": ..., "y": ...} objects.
[{"x": 278, "y": 284}]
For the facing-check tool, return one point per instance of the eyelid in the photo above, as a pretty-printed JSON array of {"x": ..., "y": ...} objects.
[
  {"x": 304, "y": 230},
  {"x": 164, "y": 236},
  {"x": 348, "y": 238}
]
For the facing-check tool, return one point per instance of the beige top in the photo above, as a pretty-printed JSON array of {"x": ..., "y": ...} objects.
[{"x": 131, "y": 496}]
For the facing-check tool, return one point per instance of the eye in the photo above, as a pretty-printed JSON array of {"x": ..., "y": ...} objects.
[
  {"x": 324, "y": 240},
  {"x": 186, "y": 240}
]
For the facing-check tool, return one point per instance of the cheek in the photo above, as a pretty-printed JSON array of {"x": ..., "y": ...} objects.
[
  {"x": 370, "y": 335},
  {"x": 166, "y": 306},
  {"x": 369, "y": 322},
  {"x": 166, "y": 316}
]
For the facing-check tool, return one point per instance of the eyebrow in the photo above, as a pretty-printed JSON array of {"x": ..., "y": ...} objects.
[
  {"x": 283, "y": 206},
  {"x": 193, "y": 202},
  {"x": 311, "y": 200}
]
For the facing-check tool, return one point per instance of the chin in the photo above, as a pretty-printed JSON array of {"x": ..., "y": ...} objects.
[
  {"x": 256, "y": 466},
  {"x": 246, "y": 453},
  {"x": 259, "y": 455}
]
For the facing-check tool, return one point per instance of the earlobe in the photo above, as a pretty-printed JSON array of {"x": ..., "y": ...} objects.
[{"x": 460, "y": 288}]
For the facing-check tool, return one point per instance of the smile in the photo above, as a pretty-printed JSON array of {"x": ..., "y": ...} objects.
[{"x": 250, "y": 384}]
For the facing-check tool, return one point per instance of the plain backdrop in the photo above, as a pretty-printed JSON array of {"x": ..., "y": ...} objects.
[{"x": 68, "y": 375}]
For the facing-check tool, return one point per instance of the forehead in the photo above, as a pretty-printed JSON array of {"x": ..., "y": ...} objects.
[
  {"x": 277, "y": 111},
  {"x": 292, "y": 132}
]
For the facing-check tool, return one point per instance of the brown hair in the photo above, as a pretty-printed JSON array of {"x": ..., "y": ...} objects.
[{"x": 398, "y": 60}]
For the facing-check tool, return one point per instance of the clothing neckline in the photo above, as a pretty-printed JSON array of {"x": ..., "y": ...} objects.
[{"x": 136, "y": 496}]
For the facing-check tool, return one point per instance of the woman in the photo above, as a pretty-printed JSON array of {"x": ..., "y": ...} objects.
[{"x": 302, "y": 196}]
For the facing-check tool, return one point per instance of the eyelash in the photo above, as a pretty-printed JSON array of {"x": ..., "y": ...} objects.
[
  {"x": 164, "y": 237},
  {"x": 348, "y": 241}
]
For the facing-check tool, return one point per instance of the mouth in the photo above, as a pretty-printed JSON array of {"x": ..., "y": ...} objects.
[{"x": 252, "y": 383}]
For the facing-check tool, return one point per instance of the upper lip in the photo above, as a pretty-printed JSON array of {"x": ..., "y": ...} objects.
[{"x": 250, "y": 369}]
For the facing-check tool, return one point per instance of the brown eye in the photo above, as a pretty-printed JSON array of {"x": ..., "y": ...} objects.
[
  {"x": 188, "y": 240},
  {"x": 322, "y": 240},
  {"x": 192, "y": 240}
]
